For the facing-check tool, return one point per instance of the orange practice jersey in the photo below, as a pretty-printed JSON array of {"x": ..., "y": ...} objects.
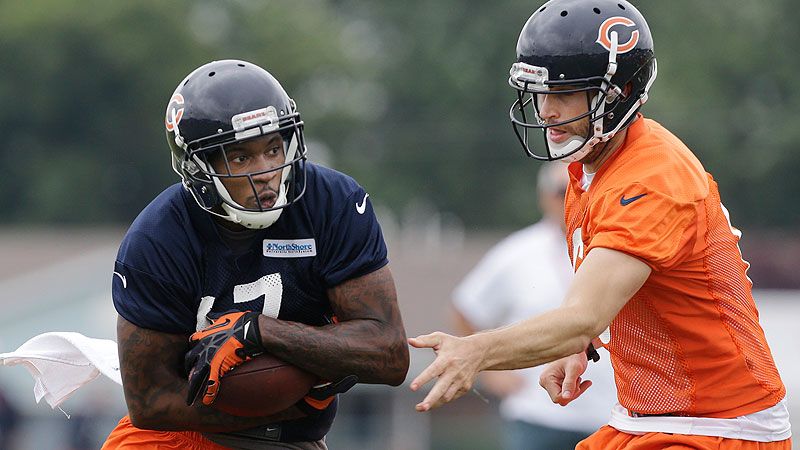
[{"x": 688, "y": 342}]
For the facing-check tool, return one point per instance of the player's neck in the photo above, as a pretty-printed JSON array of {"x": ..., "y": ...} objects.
[{"x": 594, "y": 160}]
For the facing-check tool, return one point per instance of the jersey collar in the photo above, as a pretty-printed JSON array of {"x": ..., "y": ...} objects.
[{"x": 635, "y": 130}]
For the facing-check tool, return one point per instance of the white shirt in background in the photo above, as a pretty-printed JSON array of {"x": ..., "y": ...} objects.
[{"x": 525, "y": 275}]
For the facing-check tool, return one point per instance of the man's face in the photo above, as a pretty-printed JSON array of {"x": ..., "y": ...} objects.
[
  {"x": 560, "y": 107},
  {"x": 251, "y": 157}
]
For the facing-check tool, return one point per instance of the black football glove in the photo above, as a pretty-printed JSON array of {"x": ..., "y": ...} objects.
[
  {"x": 229, "y": 341},
  {"x": 591, "y": 353},
  {"x": 321, "y": 395}
]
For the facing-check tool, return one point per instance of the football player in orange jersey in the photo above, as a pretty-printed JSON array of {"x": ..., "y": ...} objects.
[{"x": 656, "y": 260}]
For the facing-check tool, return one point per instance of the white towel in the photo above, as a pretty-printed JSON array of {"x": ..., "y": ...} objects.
[{"x": 62, "y": 362}]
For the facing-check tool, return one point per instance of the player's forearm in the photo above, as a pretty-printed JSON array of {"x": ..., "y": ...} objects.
[
  {"x": 605, "y": 282},
  {"x": 369, "y": 341},
  {"x": 374, "y": 351},
  {"x": 539, "y": 340},
  {"x": 169, "y": 412},
  {"x": 155, "y": 387}
]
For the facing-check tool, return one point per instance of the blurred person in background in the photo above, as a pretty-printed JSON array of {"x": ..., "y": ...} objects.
[
  {"x": 656, "y": 258},
  {"x": 257, "y": 250},
  {"x": 524, "y": 275}
]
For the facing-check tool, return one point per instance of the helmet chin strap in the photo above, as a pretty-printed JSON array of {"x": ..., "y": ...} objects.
[
  {"x": 252, "y": 219},
  {"x": 575, "y": 148},
  {"x": 257, "y": 220}
]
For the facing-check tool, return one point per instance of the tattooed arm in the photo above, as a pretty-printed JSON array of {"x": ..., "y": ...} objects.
[
  {"x": 155, "y": 388},
  {"x": 369, "y": 341}
]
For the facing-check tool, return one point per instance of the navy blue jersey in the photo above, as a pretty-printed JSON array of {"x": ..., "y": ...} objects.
[{"x": 176, "y": 270}]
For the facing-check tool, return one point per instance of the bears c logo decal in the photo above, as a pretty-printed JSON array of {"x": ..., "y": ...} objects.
[
  {"x": 604, "y": 34},
  {"x": 174, "y": 112}
]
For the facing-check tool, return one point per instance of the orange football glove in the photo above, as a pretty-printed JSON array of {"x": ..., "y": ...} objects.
[
  {"x": 229, "y": 341},
  {"x": 321, "y": 395}
]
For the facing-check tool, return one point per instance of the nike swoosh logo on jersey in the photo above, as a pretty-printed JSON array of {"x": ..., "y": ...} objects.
[
  {"x": 627, "y": 201},
  {"x": 363, "y": 206},
  {"x": 122, "y": 277}
]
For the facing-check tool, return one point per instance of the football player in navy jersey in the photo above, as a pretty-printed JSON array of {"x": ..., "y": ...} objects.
[{"x": 257, "y": 250}]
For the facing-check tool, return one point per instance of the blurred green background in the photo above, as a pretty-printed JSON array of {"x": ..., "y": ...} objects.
[{"x": 410, "y": 98}]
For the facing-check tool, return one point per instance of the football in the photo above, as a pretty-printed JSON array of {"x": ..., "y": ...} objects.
[{"x": 262, "y": 386}]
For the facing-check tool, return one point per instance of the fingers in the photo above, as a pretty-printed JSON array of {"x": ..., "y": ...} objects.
[
  {"x": 454, "y": 366},
  {"x": 318, "y": 404},
  {"x": 583, "y": 387},
  {"x": 433, "y": 340},
  {"x": 198, "y": 378},
  {"x": 562, "y": 379},
  {"x": 567, "y": 395},
  {"x": 455, "y": 391},
  {"x": 190, "y": 359},
  {"x": 446, "y": 389},
  {"x": 433, "y": 399},
  {"x": 212, "y": 385},
  {"x": 432, "y": 371},
  {"x": 571, "y": 381},
  {"x": 580, "y": 389},
  {"x": 204, "y": 375},
  {"x": 345, "y": 384},
  {"x": 329, "y": 389},
  {"x": 552, "y": 384}
]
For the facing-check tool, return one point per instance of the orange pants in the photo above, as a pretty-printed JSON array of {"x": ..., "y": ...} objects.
[
  {"x": 127, "y": 437},
  {"x": 609, "y": 438}
]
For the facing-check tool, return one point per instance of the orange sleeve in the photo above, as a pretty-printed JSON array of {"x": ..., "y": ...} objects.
[{"x": 654, "y": 227}]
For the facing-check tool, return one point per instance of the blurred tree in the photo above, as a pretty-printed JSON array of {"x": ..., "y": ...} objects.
[
  {"x": 83, "y": 89},
  {"x": 446, "y": 131},
  {"x": 727, "y": 87},
  {"x": 409, "y": 97}
]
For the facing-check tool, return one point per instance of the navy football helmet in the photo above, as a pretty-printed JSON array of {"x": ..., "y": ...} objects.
[
  {"x": 224, "y": 103},
  {"x": 600, "y": 47}
]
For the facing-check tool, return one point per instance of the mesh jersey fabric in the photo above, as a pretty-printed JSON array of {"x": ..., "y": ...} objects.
[{"x": 688, "y": 342}]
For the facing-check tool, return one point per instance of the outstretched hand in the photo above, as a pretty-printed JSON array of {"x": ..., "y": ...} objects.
[
  {"x": 458, "y": 361},
  {"x": 562, "y": 378}
]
